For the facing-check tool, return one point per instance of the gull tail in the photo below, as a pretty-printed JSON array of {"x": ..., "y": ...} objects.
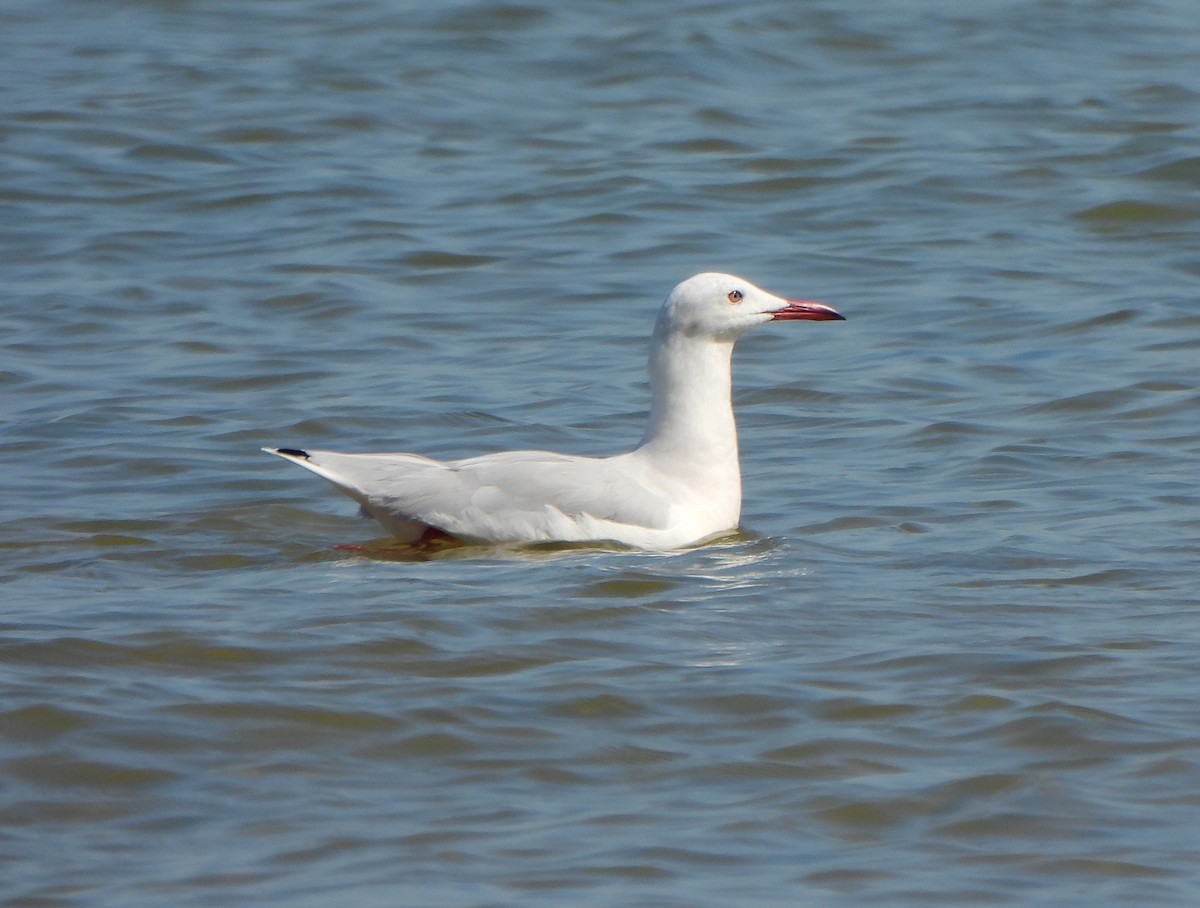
[
  {"x": 402, "y": 528},
  {"x": 312, "y": 462}
]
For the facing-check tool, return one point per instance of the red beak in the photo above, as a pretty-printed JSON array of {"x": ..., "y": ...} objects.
[{"x": 808, "y": 311}]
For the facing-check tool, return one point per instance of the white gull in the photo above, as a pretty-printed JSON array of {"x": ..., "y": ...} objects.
[{"x": 681, "y": 485}]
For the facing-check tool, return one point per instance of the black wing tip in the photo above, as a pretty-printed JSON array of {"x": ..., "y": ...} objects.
[{"x": 291, "y": 452}]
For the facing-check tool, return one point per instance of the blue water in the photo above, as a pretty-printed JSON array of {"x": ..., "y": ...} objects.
[{"x": 950, "y": 658}]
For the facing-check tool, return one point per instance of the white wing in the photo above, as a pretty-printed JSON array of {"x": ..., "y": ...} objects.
[{"x": 512, "y": 496}]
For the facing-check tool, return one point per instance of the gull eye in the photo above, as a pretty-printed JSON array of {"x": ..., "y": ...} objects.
[{"x": 735, "y": 296}]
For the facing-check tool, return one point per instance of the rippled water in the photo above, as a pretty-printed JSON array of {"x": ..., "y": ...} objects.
[{"x": 952, "y": 657}]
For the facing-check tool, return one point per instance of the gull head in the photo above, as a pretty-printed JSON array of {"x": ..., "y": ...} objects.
[{"x": 720, "y": 307}]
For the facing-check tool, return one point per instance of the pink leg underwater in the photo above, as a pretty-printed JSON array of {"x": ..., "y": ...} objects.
[{"x": 432, "y": 538}]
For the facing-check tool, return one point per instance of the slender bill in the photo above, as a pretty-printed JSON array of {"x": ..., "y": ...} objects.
[{"x": 807, "y": 311}]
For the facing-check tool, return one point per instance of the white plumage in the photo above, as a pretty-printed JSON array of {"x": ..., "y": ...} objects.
[{"x": 681, "y": 485}]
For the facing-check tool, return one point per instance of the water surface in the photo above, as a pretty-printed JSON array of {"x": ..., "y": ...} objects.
[{"x": 950, "y": 658}]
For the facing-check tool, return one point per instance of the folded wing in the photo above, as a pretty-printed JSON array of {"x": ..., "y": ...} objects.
[{"x": 513, "y": 496}]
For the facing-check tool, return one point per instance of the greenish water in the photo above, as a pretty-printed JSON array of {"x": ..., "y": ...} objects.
[{"x": 952, "y": 656}]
